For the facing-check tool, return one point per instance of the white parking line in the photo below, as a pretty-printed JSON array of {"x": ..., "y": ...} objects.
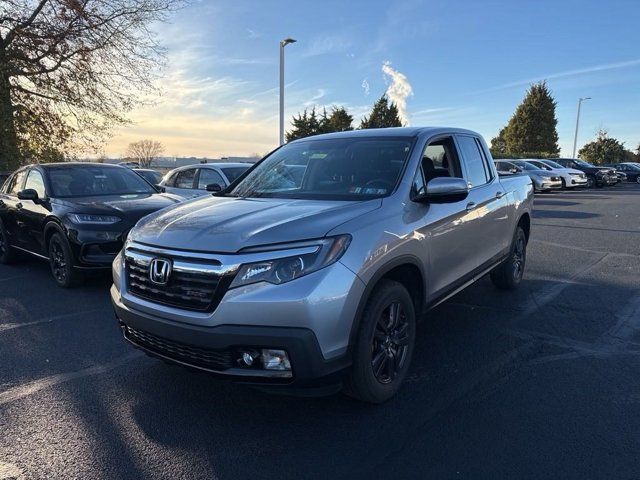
[
  {"x": 10, "y": 326},
  {"x": 580, "y": 249},
  {"x": 21, "y": 391}
]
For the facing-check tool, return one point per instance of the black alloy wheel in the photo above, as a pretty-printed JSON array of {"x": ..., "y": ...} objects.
[{"x": 390, "y": 343}]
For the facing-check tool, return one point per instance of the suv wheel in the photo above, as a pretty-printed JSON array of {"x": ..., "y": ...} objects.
[
  {"x": 61, "y": 262},
  {"x": 591, "y": 181},
  {"x": 7, "y": 254},
  {"x": 384, "y": 345},
  {"x": 508, "y": 274}
]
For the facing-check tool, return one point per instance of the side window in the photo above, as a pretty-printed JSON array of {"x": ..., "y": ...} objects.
[
  {"x": 502, "y": 167},
  {"x": 209, "y": 176},
  {"x": 477, "y": 169},
  {"x": 440, "y": 160},
  {"x": 15, "y": 184},
  {"x": 35, "y": 181},
  {"x": 185, "y": 178}
]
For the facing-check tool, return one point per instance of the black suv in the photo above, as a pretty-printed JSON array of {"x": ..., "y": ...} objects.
[
  {"x": 596, "y": 176},
  {"x": 631, "y": 170},
  {"x": 76, "y": 215}
]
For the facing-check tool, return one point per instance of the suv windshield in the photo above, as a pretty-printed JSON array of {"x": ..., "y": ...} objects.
[
  {"x": 84, "y": 181},
  {"x": 553, "y": 164},
  {"x": 582, "y": 163},
  {"x": 526, "y": 165},
  {"x": 332, "y": 169}
]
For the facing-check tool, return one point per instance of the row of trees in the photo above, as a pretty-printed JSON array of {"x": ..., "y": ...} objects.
[
  {"x": 383, "y": 114},
  {"x": 531, "y": 133}
]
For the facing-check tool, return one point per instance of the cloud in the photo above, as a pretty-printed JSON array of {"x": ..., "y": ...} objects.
[
  {"x": 565, "y": 74},
  {"x": 365, "y": 86},
  {"x": 399, "y": 89},
  {"x": 252, "y": 34},
  {"x": 327, "y": 44}
]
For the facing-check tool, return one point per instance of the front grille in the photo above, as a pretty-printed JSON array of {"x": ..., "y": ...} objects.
[
  {"x": 186, "y": 289},
  {"x": 217, "y": 360}
]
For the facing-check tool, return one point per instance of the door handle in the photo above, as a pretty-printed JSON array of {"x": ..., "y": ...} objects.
[
  {"x": 471, "y": 206},
  {"x": 499, "y": 194}
]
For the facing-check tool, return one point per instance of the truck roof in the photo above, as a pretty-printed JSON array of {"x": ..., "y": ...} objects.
[{"x": 388, "y": 132}]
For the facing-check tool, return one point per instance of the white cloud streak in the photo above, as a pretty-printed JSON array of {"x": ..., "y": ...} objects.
[
  {"x": 399, "y": 89},
  {"x": 366, "y": 87},
  {"x": 565, "y": 74}
]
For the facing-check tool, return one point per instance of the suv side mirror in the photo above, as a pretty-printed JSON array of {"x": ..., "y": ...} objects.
[
  {"x": 28, "y": 194},
  {"x": 214, "y": 187},
  {"x": 443, "y": 190},
  {"x": 160, "y": 188}
]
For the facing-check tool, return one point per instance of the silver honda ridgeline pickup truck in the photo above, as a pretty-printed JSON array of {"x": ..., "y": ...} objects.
[{"x": 310, "y": 271}]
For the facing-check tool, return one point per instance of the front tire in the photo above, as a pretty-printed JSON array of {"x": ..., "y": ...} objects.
[
  {"x": 7, "y": 254},
  {"x": 591, "y": 181},
  {"x": 61, "y": 262},
  {"x": 384, "y": 345},
  {"x": 508, "y": 275}
]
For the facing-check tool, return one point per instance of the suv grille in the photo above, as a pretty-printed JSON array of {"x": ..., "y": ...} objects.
[
  {"x": 217, "y": 360},
  {"x": 197, "y": 289}
]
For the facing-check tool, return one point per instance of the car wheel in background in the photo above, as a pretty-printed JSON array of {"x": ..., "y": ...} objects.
[
  {"x": 591, "y": 181},
  {"x": 508, "y": 274},
  {"x": 638, "y": 179},
  {"x": 564, "y": 184},
  {"x": 7, "y": 254},
  {"x": 61, "y": 262},
  {"x": 384, "y": 345}
]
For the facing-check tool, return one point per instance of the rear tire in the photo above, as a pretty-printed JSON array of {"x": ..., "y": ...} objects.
[
  {"x": 7, "y": 254},
  {"x": 508, "y": 275},
  {"x": 384, "y": 345},
  {"x": 61, "y": 262}
]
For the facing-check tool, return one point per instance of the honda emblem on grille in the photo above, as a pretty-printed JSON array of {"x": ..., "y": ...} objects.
[{"x": 159, "y": 271}]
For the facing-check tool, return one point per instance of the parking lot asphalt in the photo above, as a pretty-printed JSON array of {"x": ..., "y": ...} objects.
[{"x": 538, "y": 383}]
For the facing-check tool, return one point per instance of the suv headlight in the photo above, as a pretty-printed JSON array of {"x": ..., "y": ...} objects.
[
  {"x": 90, "y": 219},
  {"x": 282, "y": 270}
]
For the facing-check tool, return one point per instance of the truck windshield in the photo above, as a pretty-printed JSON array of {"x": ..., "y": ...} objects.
[{"x": 357, "y": 168}]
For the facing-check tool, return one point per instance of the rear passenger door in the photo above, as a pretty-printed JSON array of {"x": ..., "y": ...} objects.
[
  {"x": 183, "y": 183},
  {"x": 9, "y": 204},
  {"x": 487, "y": 199}
]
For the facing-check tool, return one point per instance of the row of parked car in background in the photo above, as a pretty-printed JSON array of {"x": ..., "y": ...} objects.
[
  {"x": 307, "y": 270},
  {"x": 567, "y": 173}
]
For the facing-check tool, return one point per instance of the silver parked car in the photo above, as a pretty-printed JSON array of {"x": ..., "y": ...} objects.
[
  {"x": 543, "y": 180},
  {"x": 197, "y": 180},
  {"x": 312, "y": 270},
  {"x": 570, "y": 177}
]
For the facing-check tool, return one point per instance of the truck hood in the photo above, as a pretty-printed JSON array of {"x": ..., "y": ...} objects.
[{"x": 227, "y": 225}]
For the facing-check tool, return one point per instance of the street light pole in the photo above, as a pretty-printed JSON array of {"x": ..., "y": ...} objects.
[
  {"x": 575, "y": 138},
  {"x": 283, "y": 43}
]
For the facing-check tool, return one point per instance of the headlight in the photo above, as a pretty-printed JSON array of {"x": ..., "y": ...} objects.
[
  {"x": 88, "y": 219},
  {"x": 282, "y": 270}
]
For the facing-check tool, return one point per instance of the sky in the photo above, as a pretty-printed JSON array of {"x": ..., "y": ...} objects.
[{"x": 453, "y": 63}]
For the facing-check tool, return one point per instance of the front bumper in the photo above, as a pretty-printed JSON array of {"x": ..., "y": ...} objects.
[
  {"x": 309, "y": 367},
  {"x": 575, "y": 181},
  {"x": 546, "y": 185}
]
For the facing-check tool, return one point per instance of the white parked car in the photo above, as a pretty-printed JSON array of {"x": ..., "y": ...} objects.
[
  {"x": 196, "y": 180},
  {"x": 570, "y": 177}
]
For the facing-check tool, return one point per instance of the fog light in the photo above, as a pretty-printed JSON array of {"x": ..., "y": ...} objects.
[
  {"x": 247, "y": 359},
  {"x": 275, "y": 360}
]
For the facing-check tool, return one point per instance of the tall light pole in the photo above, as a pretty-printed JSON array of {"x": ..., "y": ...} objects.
[
  {"x": 575, "y": 138},
  {"x": 283, "y": 43}
]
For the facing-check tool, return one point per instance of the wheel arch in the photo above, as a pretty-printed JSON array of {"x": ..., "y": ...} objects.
[
  {"x": 525, "y": 222},
  {"x": 51, "y": 226},
  {"x": 406, "y": 270}
]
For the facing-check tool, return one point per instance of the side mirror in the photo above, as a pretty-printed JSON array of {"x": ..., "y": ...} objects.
[
  {"x": 443, "y": 190},
  {"x": 28, "y": 194},
  {"x": 514, "y": 170},
  {"x": 214, "y": 187},
  {"x": 160, "y": 188}
]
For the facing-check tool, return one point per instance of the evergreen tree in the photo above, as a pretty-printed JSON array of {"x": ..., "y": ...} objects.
[
  {"x": 533, "y": 125},
  {"x": 603, "y": 150},
  {"x": 339, "y": 120},
  {"x": 311, "y": 123},
  {"x": 499, "y": 143},
  {"x": 384, "y": 114}
]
